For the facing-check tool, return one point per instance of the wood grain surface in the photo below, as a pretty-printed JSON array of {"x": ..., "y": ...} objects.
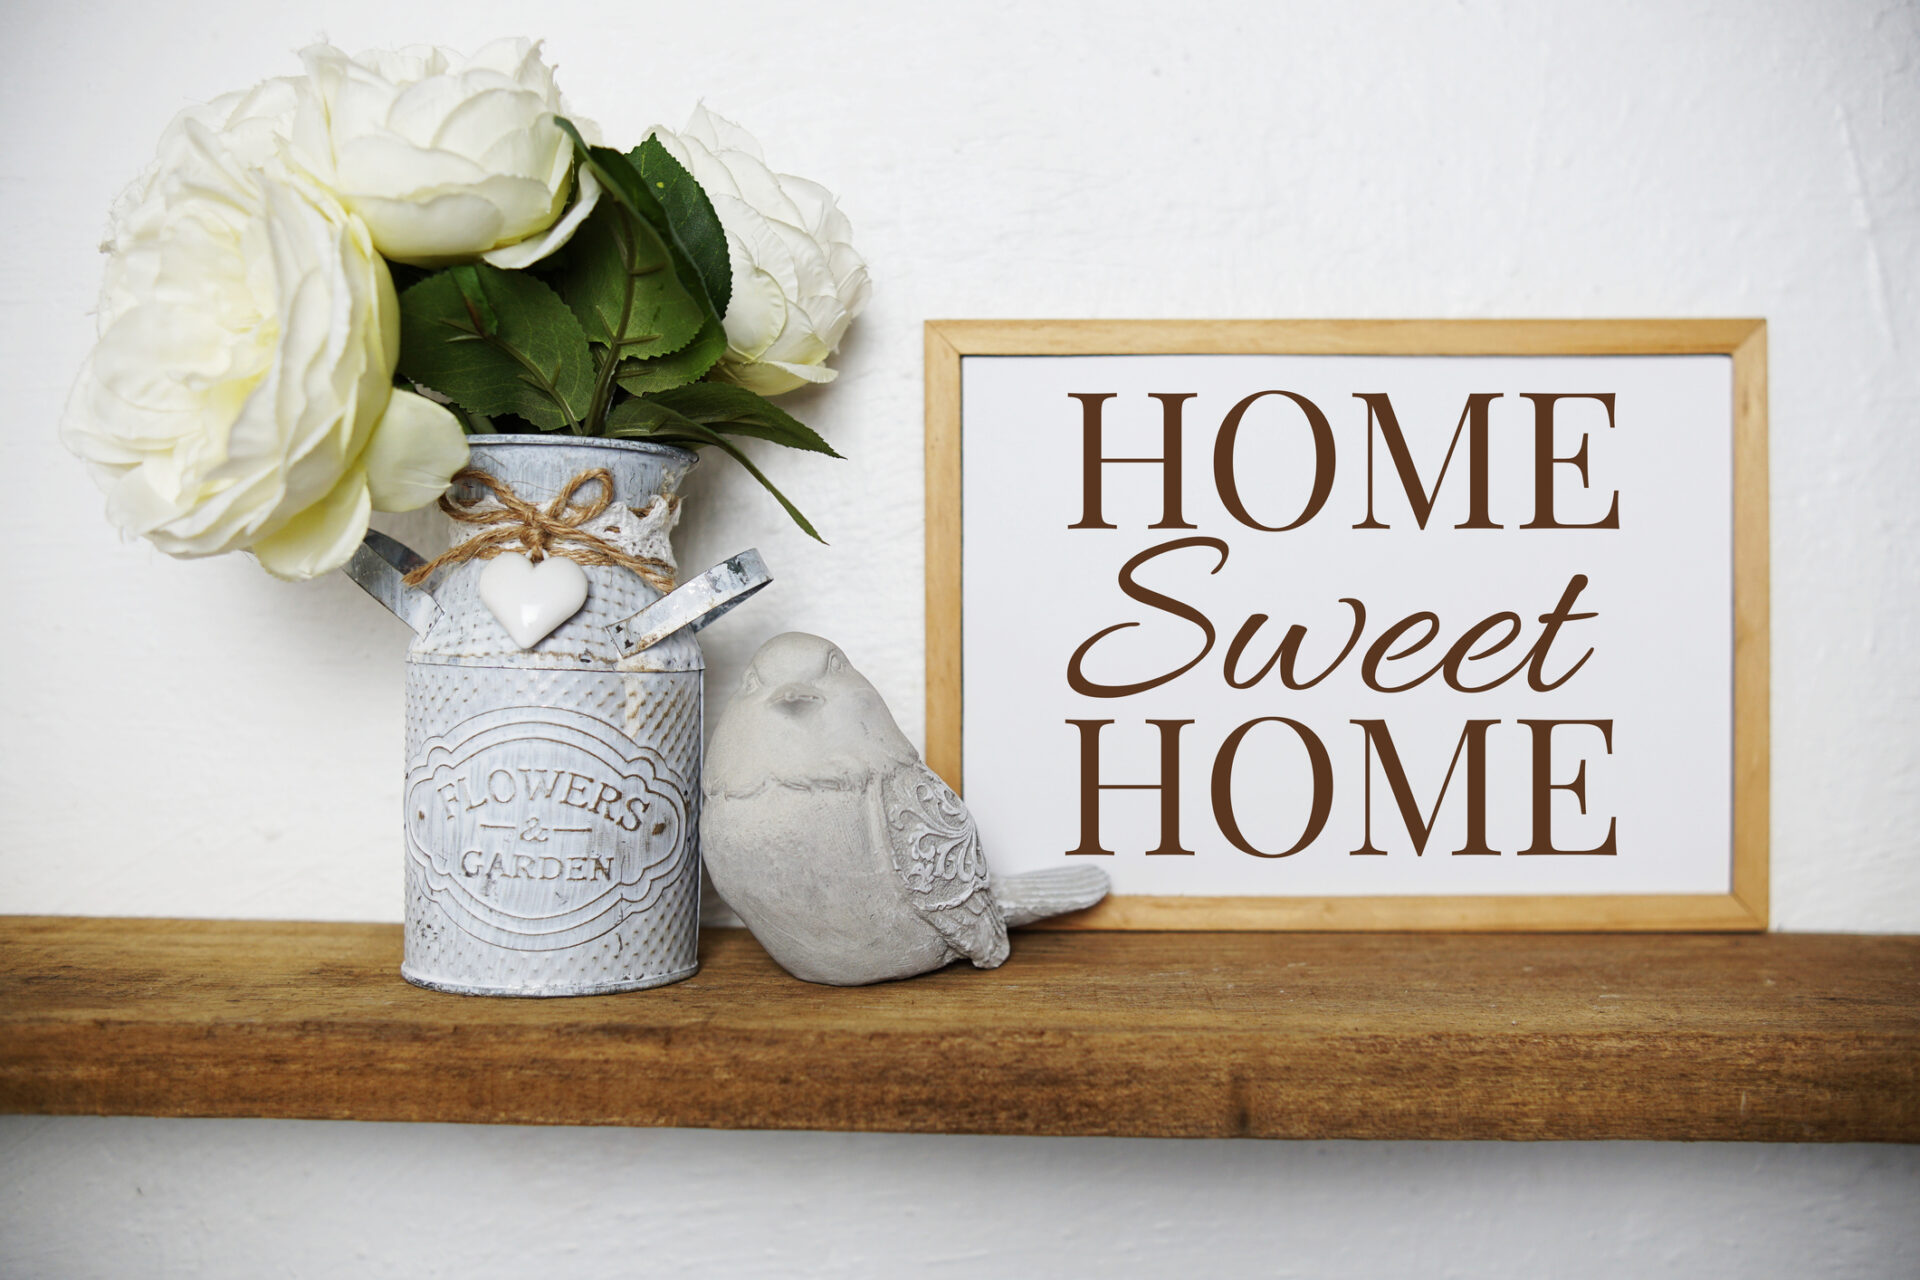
[
  {"x": 943, "y": 557},
  {"x": 1766, "y": 1037}
]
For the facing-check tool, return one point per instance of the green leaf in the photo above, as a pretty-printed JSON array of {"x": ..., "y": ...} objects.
[
  {"x": 619, "y": 280},
  {"x": 648, "y": 419},
  {"x": 617, "y": 174},
  {"x": 479, "y": 306},
  {"x": 622, "y": 180},
  {"x": 472, "y": 424},
  {"x": 695, "y": 433},
  {"x": 497, "y": 342},
  {"x": 637, "y": 291},
  {"x": 738, "y": 411},
  {"x": 686, "y": 365},
  {"x": 695, "y": 225},
  {"x": 636, "y": 418}
]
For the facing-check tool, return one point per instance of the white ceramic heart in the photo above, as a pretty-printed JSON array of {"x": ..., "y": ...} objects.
[{"x": 530, "y": 599}]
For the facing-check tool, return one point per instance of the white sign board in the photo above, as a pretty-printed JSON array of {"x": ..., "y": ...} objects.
[{"x": 1315, "y": 627}]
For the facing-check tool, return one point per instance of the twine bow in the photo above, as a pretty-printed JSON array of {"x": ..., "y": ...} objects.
[{"x": 558, "y": 530}]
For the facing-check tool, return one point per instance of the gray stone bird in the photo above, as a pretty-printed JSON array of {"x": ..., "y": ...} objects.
[{"x": 850, "y": 860}]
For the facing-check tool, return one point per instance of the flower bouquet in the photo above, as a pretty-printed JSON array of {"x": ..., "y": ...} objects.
[
  {"x": 402, "y": 277},
  {"x": 324, "y": 284}
]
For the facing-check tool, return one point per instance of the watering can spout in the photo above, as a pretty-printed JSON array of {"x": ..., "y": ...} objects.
[
  {"x": 692, "y": 605},
  {"x": 380, "y": 566}
]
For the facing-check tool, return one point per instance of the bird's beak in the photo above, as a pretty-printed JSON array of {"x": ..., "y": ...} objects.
[{"x": 795, "y": 698}]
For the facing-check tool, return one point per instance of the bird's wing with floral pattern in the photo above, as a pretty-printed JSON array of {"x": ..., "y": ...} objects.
[{"x": 936, "y": 851}]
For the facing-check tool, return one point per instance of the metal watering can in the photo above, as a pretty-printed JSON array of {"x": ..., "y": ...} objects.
[{"x": 552, "y": 797}]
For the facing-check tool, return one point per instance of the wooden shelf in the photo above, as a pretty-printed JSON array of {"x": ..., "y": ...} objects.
[{"x": 1774, "y": 1037}]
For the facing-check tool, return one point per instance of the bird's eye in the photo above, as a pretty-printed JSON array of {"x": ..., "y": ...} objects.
[
  {"x": 751, "y": 681},
  {"x": 834, "y": 661}
]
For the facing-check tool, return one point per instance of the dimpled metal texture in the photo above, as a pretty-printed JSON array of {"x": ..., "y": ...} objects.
[{"x": 551, "y": 807}]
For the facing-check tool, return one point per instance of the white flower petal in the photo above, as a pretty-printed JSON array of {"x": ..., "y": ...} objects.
[
  {"x": 249, "y": 333},
  {"x": 421, "y": 142},
  {"x": 797, "y": 281},
  {"x": 388, "y": 167},
  {"x": 322, "y": 537},
  {"x": 433, "y": 231},
  {"x": 772, "y": 377},
  {"x": 415, "y": 450},
  {"x": 721, "y": 134},
  {"x": 527, "y": 252},
  {"x": 757, "y": 315}
]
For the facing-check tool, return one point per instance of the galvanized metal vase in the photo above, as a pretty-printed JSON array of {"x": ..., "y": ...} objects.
[{"x": 551, "y": 802}]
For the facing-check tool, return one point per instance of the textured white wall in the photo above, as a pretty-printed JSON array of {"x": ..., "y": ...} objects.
[
  {"x": 197, "y": 739},
  {"x": 259, "y": 1198}
]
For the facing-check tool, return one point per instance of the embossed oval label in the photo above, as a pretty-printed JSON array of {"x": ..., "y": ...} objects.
[{"x": 539, "y": 827}]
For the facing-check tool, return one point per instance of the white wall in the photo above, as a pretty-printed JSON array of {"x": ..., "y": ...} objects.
[
  {"x": 196, "y": 739},
  {"x": 259, "y": 1198}
]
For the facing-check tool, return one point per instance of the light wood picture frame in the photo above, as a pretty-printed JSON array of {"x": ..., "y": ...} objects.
[{"x": 1745, "y": 907}]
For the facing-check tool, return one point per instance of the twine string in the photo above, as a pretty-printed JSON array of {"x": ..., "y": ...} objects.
[{"x": 557, "y": 530}]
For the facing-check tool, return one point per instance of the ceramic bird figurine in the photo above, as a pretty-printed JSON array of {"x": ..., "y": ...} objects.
[{"x": 850, "y": 860}]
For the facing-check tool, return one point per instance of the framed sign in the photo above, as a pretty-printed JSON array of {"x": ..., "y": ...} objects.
[{"x": 1357, "y": 624}]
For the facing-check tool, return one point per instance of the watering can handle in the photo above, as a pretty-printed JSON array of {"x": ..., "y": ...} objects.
[
  {"x": 379, "y": 566},
  {"x": 692, "y": 605}
]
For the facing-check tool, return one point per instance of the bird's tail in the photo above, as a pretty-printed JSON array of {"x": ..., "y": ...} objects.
[{"x": 1035, "y": 895}]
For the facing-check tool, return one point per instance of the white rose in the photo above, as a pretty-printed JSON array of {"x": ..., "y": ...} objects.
[
  {"x": 797, "y": 282},
  {"x": 240, "y": 395},
  {"x": 446, "y": 158},
  {"x": 249, "y": 130}
]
